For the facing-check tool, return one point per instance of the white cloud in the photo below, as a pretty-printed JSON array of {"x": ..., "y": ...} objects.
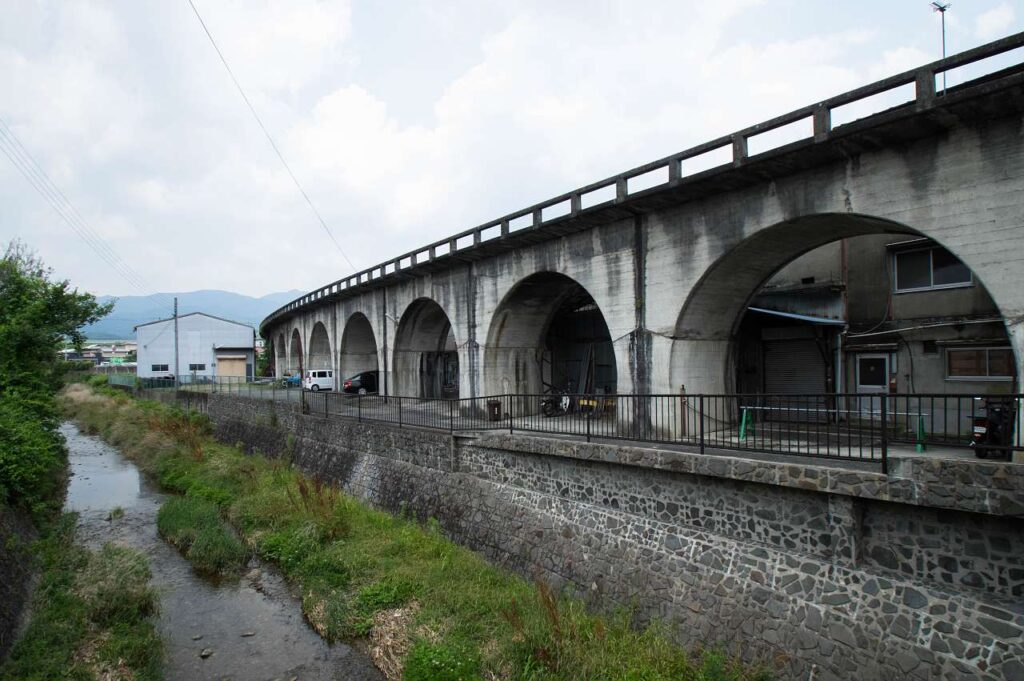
[
  {"x": 133, "y": 116},
  {"x": 996, "y": 22}
]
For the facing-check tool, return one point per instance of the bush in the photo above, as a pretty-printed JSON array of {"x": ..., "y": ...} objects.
[
  {"x": 115, "y": 586},
  {"x": 193, "y": 525},
  {"x": 32, "y": 456}
]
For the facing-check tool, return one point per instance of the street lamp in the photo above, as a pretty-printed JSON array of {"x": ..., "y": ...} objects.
[{"x": 941, "y": 9}]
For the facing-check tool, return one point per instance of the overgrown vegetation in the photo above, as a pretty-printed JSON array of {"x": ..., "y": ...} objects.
[
  {"x": 90, "y": 614},
  {"x": 361, "y": 570},
  {"x": 195, "y": 528},
  {"x": 37, "y": 317},
  {"x": 90, "y": 611}
]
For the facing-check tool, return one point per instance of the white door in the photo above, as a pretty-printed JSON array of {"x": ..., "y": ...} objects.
[{"x": 872, "y": 380}]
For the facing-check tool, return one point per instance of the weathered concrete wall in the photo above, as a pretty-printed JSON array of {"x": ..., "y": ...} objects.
[
  {"x": 840, "y": 573},
  {"x": 16, "y": 576}
]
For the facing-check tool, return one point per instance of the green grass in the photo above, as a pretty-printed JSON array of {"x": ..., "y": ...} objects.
[
  {"x": 193, "y": 525},
  {"x": 91, "y": 614},
  {"x": 465, "y": 618}
]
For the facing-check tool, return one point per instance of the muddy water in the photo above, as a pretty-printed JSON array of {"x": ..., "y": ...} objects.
[{"x": 252, "y": 627}]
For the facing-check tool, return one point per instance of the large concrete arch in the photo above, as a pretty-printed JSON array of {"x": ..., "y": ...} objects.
[
  {"x": 701, "y": 356},
  {"x": 295, "y": 359},
  {"x": 358, "y": 350},
  {"x": 425, "y": 347},
  {"x": 319, "y": 348},
  {"x": 517, "y": 337},
  {"x": 280, "y": 355}
]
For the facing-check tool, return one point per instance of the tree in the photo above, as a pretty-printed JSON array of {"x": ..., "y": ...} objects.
[
  {"x": 265, "y": 360},
  {"x": 37, "y": 317}
]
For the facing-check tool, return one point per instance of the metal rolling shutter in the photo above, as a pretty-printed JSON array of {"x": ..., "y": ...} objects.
[{"x": 794, "y": 367}]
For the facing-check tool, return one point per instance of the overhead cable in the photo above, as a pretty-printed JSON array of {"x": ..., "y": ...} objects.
[
  {"x": 33, "y": 173},
  {"x": 270, "y": 139}
]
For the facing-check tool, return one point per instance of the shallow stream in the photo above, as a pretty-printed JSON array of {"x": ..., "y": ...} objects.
[{"x": 250, "y": 629}]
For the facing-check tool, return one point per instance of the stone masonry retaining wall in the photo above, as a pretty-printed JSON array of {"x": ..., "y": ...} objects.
[
  {"x": 834, "y": 573},
  {"x": 16, "y": 573}
]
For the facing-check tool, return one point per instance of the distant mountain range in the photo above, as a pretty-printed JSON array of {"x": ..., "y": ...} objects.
[{"x": 132, "y": 310}]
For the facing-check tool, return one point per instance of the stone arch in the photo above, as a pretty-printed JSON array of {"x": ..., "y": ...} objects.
[
  {"x": 426, "y": 355},
  {"x": 702, "y": 353},
  {"x": 358, "y": 347},
  {"x": 549, "y": 330},
  {"x": 295, "y": 363},
  {"x": 319, "y": 348}
]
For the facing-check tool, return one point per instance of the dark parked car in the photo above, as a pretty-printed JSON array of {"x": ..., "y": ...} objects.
[{"x": 362, "y": 384}]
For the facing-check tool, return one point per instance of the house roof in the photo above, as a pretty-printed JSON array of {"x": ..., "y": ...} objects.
[{"x": 189, "y": 314}]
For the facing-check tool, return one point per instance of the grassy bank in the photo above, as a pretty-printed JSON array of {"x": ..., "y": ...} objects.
[
  {"x": 194, "y": 526},
  {"x": 430, "y": 609},
  {"x": 90, "y": 614}
]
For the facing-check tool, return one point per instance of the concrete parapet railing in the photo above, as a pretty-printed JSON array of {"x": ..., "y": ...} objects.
[{"x": 728, "y": 152}]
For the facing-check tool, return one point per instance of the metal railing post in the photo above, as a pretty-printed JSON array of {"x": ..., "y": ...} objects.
[
  {"x": 451, "y": 418},
  {"x": 700, "y": 415},
  {"x": 589, "y": 418},
  {"x": 359, "y": 408},
  {"x": 885, "y": 433},
  {"x": 399, "y": 413},
  {"x": 511, "y": 401}
]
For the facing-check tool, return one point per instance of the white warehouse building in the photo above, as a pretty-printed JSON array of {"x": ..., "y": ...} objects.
[{"x": 207, "y": 346}]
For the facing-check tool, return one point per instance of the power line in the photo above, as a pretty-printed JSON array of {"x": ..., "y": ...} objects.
[
  {"x": 48, "y": 193},
  {"x": 68, "y": 214},
  {"x": 33, "y": 173},
  {"x": 270, "y": 139}
]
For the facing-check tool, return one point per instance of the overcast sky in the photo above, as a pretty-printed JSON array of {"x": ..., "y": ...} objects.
[{"x": 404, "y": 121}]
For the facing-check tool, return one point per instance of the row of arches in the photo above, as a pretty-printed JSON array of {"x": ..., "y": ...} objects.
[{"x": 549, "y": 333}]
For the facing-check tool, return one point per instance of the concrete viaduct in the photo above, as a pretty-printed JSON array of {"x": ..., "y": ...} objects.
[{"x": 660, "y": 262}]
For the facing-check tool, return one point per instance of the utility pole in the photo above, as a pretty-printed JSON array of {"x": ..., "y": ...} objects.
[
  {"x": 941, "y": 9},
  {"x": 175, "y": 341}
]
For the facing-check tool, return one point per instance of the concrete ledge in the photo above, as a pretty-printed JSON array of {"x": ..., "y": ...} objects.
[{"x": 979, "y": 487}]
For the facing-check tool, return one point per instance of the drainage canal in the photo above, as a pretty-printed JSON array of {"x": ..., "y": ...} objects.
[{"x": 250, "y": 628}]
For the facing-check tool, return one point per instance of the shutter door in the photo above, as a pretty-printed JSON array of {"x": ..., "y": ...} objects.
[
  {"x": 230, "y": 366},
  {"x": 794, "y": 367}
]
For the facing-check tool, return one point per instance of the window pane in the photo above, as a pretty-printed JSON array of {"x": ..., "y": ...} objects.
[
  {"x": 913, "y": 270},
  {"x": 966, "y": 362},
  {"x": 946, "y": 269},
  {"x": 1000, "y": 362},
  {"x": 871, "y": 371}
]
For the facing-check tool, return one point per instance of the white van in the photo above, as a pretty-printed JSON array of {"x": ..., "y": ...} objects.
[{"x": 319, "y": 379}]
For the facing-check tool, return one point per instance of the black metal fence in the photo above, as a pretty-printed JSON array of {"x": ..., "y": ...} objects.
[{"x": 851, "y": 426}]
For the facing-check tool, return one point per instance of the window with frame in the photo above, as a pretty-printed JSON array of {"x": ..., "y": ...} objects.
[
  {"x": 197, "y": 367},
  {"x": 158, "y": 367},
  {"x": 929, "y": 268},
  {"x": 980, "y": 364}
]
